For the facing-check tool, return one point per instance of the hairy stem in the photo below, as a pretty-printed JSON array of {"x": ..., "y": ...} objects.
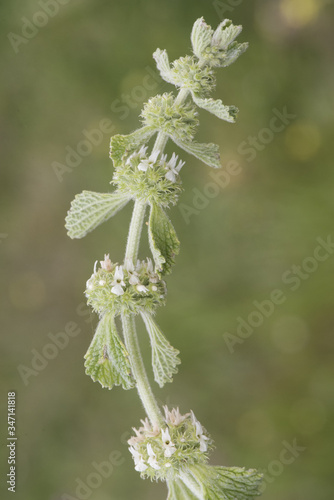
[
  {"x": 128, "y": 321},
  {"x": 143, "y": 385},
  {"x": 135, "y": 230}
]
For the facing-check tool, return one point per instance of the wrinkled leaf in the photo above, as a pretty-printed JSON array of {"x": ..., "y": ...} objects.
[
  {"x": 216, "y": 107},
  {"x": 125, "y": 144},
  {"x": 107, "y": 360},
  {"x": 177, "y": 490},
  {"x": 225, "y": 34},
  {"x": 89, "y": 209},
  {"x": 224, "y": 483},
  {"x": 164, "y": 356},
  {"x": 234, "y": 51},
  {"x": 162, "y": 61},
  {"x": 164, "y": 243},
  {"x": 201, "y": 37},
  {"x": 207, "y": 152}
]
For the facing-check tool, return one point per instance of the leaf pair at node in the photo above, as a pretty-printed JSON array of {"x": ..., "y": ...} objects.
[{"x": 107, "y": 360}]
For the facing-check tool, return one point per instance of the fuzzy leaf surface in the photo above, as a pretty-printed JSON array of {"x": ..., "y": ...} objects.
[
  {"x": 164, "y": 356},
  {"x": 201, "y": 37},
  {"x": 164, "y": 243},
  {"x": 107, "y": 360},
  {"x": 89, "y": 209},
  {"x": 225, "y": 34},
  {"x": 233, "y": 52},
  {"x": 226, "y": 483},
  {"x": 177, "y": 490},
  {"x": 206, "y": 152},
  {"x": 162, "y": 61},
  {"x": 125, "y": 144},
  {"x": 217, "y": 108}
]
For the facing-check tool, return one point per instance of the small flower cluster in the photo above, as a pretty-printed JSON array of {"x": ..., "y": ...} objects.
[
  {"x": 149, "y": 178},
  {"x": 162, "y": 453},
  {"x": 186, "y": 72},
  {"x": 114, "y": 288},
  {"x": 176, "y": 120}
]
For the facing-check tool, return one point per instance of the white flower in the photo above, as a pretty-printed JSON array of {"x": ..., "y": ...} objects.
[
  {"x": 148, "y": 162},
  {"x": 203, "y": 446},
  {"x": 140, "y": 465},
  {"x": 174, "y": 416},
  {"x": 167, "y": 443},
  {"x": 173, "y": 169},
  {"x": 141, "y": 154},
  {"x": 142, "y": 288},
  {"x": 203, "y": 443},
  {"x": 118, "y": 282},
  {"x": 106, "y": 263},
  {"x": 133, "y": 275},
  {"x": 152, "y": 459},
  {"x": 89, "y": 285},
  {"x": 102, "y": 282}
]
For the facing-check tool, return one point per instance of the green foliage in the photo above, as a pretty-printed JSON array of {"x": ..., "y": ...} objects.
[
  {"x": 216, "y": 107},
  {"x": 88, "y": 210},
  {"x": 164, "y": 356},
  {"x": 122, "y": 145},
  {"x": 207, "y": 153},
  {"x": 107, "y": 360},
  {"x": 164, "y": 243},
  {"x": 174, "y": 449},
  {"x": 222, "y": 483}
]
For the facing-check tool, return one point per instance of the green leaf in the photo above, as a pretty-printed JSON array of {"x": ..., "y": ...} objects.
[
  {"x": 89, "y": 209},
  {"x": 164, "y": 243},
  {"x": 225, "y": 34},
  {"x": 201, "y": 37},
  {"x": 216, "y": 107},
  {"x": 125, "y": 144},
  {"x": 208, "y": 153},
  {"x": 107, "y": 360},
  {"x": 234, "y": 51},
  {"x": 164, "y": 356},
  {"x": 177, "y": 490},
  {"x": 162, "y": 61},
  {"x": 225, "y": 483}
]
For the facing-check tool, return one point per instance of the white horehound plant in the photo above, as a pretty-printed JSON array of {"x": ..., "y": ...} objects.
[{"x": 170, "y": 447}]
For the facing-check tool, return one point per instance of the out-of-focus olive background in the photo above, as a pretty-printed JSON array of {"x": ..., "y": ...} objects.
[{"x": 91, "y": 62}]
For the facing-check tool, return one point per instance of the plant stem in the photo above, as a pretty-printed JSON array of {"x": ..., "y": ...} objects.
[
  {"x": 128, "y": 321},
  {"x": 138, "y": 368},
  {"x": 136, "y": 225}
]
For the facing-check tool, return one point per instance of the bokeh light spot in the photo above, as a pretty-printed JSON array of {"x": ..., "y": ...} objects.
[{"x": 298, "y": 13}]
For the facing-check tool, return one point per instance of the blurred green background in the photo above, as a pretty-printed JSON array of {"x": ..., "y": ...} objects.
[{"x": 276, "y": 386}]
